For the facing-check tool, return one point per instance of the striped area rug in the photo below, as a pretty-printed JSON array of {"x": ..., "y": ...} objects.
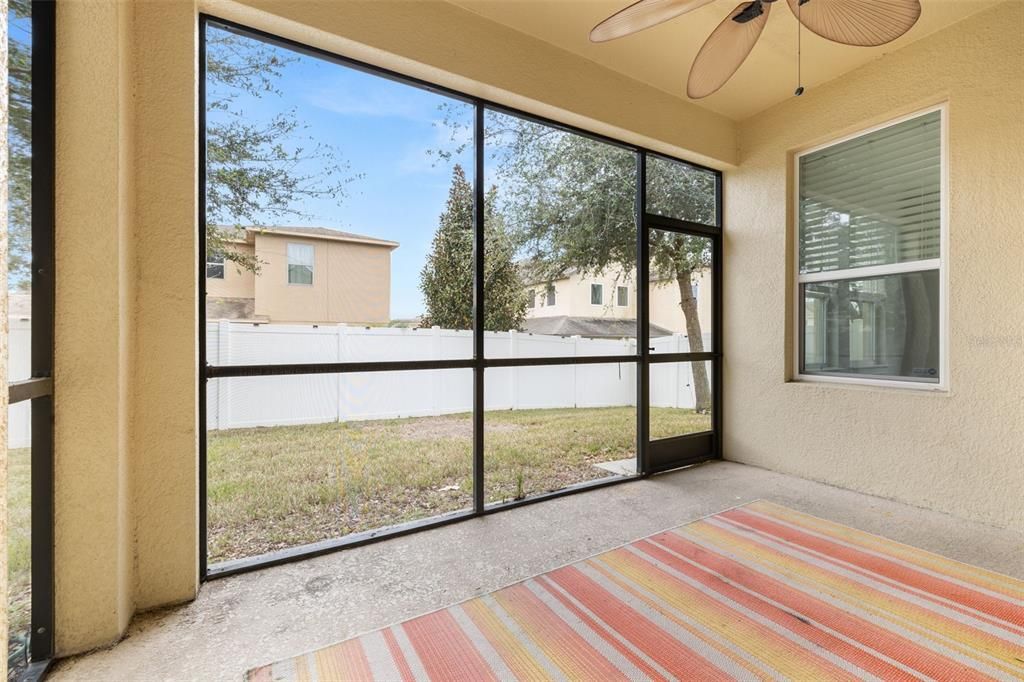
[{"x": 755, "y": 592}]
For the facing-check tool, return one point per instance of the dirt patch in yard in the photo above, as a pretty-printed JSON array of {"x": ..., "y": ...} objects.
[{"x": 432, "y": 428}]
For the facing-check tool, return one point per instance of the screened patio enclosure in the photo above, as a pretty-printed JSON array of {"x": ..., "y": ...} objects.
[{"x": 332, "y": 431}]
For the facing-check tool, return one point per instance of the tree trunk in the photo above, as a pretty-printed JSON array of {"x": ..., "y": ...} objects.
[{"x": 688, "y": 303}]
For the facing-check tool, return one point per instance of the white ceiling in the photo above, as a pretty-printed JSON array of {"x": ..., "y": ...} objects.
[{"x": 661, "y": 56}]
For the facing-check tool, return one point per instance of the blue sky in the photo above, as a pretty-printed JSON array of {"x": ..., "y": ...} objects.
[{"x": 384, "y": 131}]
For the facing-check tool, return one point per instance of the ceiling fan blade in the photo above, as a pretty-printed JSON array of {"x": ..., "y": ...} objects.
[
  {"x": 724, "y": 51},
  {"x": 865, "y": 23},
  {"x": 641, "y": 15}
]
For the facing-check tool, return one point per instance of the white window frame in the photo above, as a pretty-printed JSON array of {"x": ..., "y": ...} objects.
[
  {"x": 601, "y": 288},
  {"x": 288, "y": 264},
  {"x": 222, "y": 263},
  {"x": 941, "y": 263}
]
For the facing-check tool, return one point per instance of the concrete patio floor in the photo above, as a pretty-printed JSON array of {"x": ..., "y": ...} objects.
[{"x": 244, "y": 621}]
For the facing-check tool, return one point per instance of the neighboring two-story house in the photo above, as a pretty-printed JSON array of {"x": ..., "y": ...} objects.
[
  {"x": 604, "y": 305},
  {"x": 306, "y": 274}
]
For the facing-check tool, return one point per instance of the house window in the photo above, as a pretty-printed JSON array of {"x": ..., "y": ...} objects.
[
  {"x": 300, "y": 264},
  {"x": 531, "y": 298},
  {"x": 551, "y": 294},
  {"x": 622, "y": 296},
  {"x": 870, "y": 221},
  {"x": 215, "y": 266},
  {"x": 596, "y": 294}
]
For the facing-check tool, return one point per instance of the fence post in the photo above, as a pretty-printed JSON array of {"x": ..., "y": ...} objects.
[
  {"x": 223, "y": 358},
  {"x": 342, "y": 350},
  {"x": 513, "y": 372},
  {"x": 575, "y": 371},
  {"x": 435, "y": 375}
]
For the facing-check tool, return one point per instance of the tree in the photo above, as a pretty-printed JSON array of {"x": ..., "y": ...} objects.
[
  {"x": 447, "y": 276},
  {"x": 569, "y": 203},
  {"x": 19, "y": 147},
  {"x": 257, "y": 170}
]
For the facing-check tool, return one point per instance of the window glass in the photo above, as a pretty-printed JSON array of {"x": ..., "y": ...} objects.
[
  {"x": 551, "y": 295},
  {"x": 215, "y": 266},
  {"x": 883, "y": 327},
  {"x": 872, "y": 200},
  {"x": 623, "y": 296},
  {"x": 681, "y": 191},
  {"x": 868, "y": 202},
  {"x": 596, "y": 294},
  {"x": 300, "y": 264}
]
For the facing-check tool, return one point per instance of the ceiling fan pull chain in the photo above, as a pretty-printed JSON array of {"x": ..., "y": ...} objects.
[{"x": 799, "y": 55}]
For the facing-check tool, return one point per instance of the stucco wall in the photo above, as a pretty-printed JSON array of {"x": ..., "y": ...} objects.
[
  {"x": 351, "y": 282},
  {"x": 961, "y": 451},
  {"x": 93, "y": 331}
]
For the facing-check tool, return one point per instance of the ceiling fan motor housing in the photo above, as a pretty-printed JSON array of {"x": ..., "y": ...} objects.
[{"x": 753, "y": 11}]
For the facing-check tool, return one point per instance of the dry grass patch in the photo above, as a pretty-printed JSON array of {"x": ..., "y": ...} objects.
[{"x": 276, "y": 487}]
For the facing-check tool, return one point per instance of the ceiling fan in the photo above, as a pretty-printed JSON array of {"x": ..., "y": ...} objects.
[{"x": 865, "y": 23}]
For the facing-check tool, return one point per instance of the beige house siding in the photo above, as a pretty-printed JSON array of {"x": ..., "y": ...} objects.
[
  {"x": 351, "y": 282},
  {"x": 237, "y": 282},
  {"x": 572, "y": 298},
  {"x": 664, "y": 306}
]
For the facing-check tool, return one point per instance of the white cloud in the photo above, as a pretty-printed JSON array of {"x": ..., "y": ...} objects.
[
  {"x": 424, "y": 159},
  {"x": 382, "y": 99}
]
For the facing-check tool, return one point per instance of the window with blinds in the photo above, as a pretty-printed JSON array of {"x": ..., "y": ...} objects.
[
  {"x": 872, "y": 200},
  {"x": 869, "y": 223}
]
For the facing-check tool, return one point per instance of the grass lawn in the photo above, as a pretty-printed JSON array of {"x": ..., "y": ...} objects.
[
  {"x": 276, "y": 487},
  {"x": 19, "y": 543}
]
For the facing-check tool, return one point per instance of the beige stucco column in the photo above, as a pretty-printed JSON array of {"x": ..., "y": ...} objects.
[{"x": 125, "y": 437}]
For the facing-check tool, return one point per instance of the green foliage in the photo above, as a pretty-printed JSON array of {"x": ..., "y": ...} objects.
[
  {"x": 569, "y": 203},
  {"x": 19, "y": 149},
  {"x": 447, "y": 276},
  {"x": 257, "y": 171}
]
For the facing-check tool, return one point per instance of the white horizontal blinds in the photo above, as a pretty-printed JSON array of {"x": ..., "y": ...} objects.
[
  {"x": 873, "y": 200},
  {"x": 300, "y": 264}
]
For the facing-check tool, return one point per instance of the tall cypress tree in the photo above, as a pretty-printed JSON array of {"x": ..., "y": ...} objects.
[{"x": 447, "y": 276}]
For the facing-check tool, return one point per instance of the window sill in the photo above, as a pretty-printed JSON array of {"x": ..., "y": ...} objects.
[{"x": 883, "y": 384}]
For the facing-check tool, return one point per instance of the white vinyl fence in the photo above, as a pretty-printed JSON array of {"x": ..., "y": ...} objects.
[
  {"x": 307, "y": 399},
  {"x": 19, "y": 367}
]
